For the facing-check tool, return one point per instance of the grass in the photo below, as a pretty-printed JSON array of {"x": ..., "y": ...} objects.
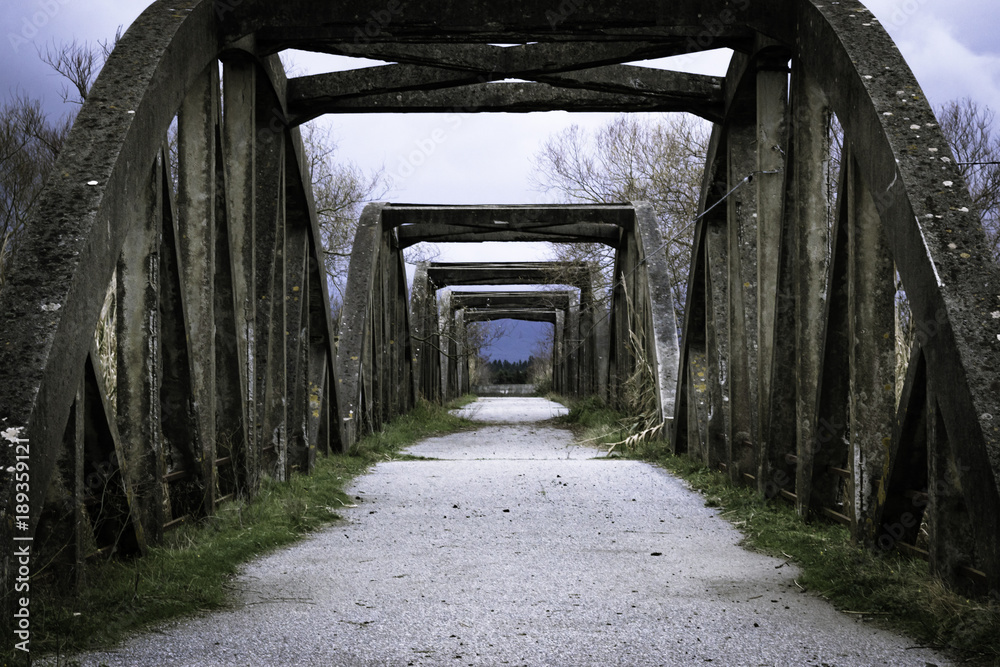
[
  {"x": 193, "y": 570},
  {"x": 462, "y": 401},
  {"x": 892, "y": 590}
]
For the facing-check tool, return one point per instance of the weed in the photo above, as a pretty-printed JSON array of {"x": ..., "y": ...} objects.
[{"x": 461, "y": 402}]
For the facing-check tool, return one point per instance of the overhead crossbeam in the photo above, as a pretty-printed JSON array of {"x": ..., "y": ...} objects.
[
  {"x": 522, "y": 299},
  {"x": 406, "y": 88},
  {"x": 525, "y": 314},
  {"x": 475, "y": 224},
  {"x": 577, "y": 274},
  {"x": 302, "y": 22},
  {"x": 508, "y": 62}
]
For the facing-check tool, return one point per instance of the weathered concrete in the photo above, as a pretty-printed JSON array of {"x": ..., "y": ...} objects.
[
  {"x": 199, "y": 272},
  {"x": 515, "y": 546},
  {"x": 810, "y": 325},
  {"x": 409, "y": 88}
]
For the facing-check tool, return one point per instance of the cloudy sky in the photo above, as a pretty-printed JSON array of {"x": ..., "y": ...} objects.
[{"x": 951, "y": 45}]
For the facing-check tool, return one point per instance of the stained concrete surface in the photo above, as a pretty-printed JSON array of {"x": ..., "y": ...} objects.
[{"x": 510, "y": 545}]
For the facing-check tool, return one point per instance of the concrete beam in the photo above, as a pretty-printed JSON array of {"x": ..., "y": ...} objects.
[
  {"x": 296, "y": 22},
  {"x": 406, "y": 88}
]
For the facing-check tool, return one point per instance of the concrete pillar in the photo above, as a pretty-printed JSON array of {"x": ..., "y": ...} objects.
[
  {"x": 196, "y": 151},
  {"x": 810, "y": 270},
  {"x": 239, "y": 81},
  {"x": 269, "y": 279},
  {"x": 872, "y": 339},
  {"x": 446, "y": 347},
  {"x": 139, "y": 370},
  {"x": 742, "y": 255},
  {"x": 770, "y": 182}
]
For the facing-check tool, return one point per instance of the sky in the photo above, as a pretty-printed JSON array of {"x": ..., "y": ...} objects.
[{"x": 951, "y": 46}]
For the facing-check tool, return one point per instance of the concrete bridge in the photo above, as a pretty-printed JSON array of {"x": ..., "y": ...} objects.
[{"x": 227, "y": 368}]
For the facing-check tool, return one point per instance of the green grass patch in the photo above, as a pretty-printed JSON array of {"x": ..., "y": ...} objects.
[
  {"x": 461, "y": 401},
  {"x": 192, "y": 571},
  {"x": 592, "y": 421}
]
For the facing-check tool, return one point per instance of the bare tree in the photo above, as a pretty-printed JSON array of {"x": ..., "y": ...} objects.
[
  {"x": 975, "y": 143},
  {"x": 29, "y": 144},
  {"x": 341, "y": 190},
  {"x": 79, "y": 63},
  {"x": 632, "y": 158},
  {"x": 540, "y": 365}
]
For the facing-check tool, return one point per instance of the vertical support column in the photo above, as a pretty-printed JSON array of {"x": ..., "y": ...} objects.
[
  {"x": 296, "y": 342},
  {"x": 83, "y": 536},
  {"x": 809, "y": 211},
  {"x": 742, "y": 254},
  {"x": 230, "y": 426},
  {"x": 461, "y": 378},
  {"x": 269, "y": 278},
  {"x": 574, "y": 342},
  {"x": 445, "y": 346},
  {"x": 138, "y": 336},
  {"x": 718, "y": 357},
  {"x": 321, "y": 388},
  {"x": 239, "y": 77},
  {"x": 559, "y": 362},
  {"x": 872, "y": 340},
  {"x": 655, "y": 305},
  {"x": 196, "y": 148},
  {"x": 620, "y": 360},
  {"x": 400, "y": 343},
  {"x": 353, "y": 367},
  {"x": 182, "y": 494},
  {"x": 275, "y": 394},
  {"x": 694, "y": 397},
  {"x": 951, "y": 540},
  {"x": 588, "y": 346},
  {"x": 831, "y": 482},
  {"x": 602, "y": 354},
  {"x": 421, "y": 326},
  {"x": 772, "y": 102}
]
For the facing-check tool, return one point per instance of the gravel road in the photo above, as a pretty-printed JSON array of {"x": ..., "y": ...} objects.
[{"x": 510, "y": 545}]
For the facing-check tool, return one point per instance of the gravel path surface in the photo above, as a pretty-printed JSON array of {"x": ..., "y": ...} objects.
[{"x": 512, "y": 546}]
